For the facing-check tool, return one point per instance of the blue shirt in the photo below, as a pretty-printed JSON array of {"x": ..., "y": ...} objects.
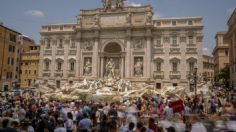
[{"x": 85, "y": 124}]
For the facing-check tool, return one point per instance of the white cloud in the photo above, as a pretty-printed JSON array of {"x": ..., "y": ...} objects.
[
  {"x": 157, "y": 15},
  {"x": 230, "y": 10},
  {"x": 131, "y": 3},
  {"x": 35, "y": 13},
  {"x": 206, "y": 51}
]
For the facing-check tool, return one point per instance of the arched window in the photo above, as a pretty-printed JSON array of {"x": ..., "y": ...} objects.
[
  {"x": 59, "y": 63},
  {"x": 174, "y": 63},
  {"x": 47, "y": 64},
  {"x": 72, "y": 64},
  {"x": 191, "y": 64},
  {"x": 60, "y": 45},
  {"x": 48, "y": 44},
  {"x": 158, "y": 66}
]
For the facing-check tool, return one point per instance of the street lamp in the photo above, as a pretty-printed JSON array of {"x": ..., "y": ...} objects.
[{"x": 195, "y": 81}]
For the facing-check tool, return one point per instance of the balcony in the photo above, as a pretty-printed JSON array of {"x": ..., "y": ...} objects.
[
  {"x": 158, "y": 45},
  {"x": 46, "y": 74},
  {"x": 72, "y": 52},
  {"x": 191, "y": 45},
  {"x": 60, "y": 52},
  {"x": 158, "y": 75},
  {"x": 175, "y": 75},
  {"x": 71, "y": 74},
  {"x": 159, "y": 51},
  {"x": 191, "y": 51},
  {"x": 174, "y": 45},
  {"x": 58, "y": 73},
  {"x": 48, "y": 52},
  {"x": 175, "y": 51}
]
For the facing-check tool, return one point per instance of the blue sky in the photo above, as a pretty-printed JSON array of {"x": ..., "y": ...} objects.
[{"x": 27, "y": 16}]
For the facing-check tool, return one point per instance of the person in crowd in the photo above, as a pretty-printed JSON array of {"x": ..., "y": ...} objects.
[
  {"x": 178, "y": 123},
  {"x": 14, "y": 126},
  {"x": 170, "y": 129},
  {"x": 74, "y": 113},
  {"x": 69, "y": 124},
  {"x": 131, "y": 127},
  {"x": 26, "y": 126},
  {"x": 168, "y": 111},
  {"x": 113, "y": 126},
  {"x": 22, "y": 112},
  {"x": 85, "y": 123},
  {"x": 139, "y": 127},
  {"x": 112, "y": 113},
  {"x": 60, "y": 126},
  {"x": 152, "y": 126},
  {"x": 197, "y": 126},
  {"x": 103, "y": 125},
  {"x": 160, "y": 110},
  {"x": 186, "y": 112}
]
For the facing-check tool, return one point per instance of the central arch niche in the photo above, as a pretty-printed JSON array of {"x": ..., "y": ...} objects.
[
  {"x": 112, "y": 62},
  {"x": 112, "y": 48}
]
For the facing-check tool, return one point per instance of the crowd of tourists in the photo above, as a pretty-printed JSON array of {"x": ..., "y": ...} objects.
[{"x": 144, "y": 114}]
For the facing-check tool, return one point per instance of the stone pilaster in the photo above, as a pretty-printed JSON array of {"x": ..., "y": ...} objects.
[
  {"x": 53, "y": 61},
  {"x": 102, "y": 66},
  {"x": 77, "y": 69},
  {"x": 128, "y": 55},
  {"x": 95, "y": 58},
  {"x": 148, "y": 55},
  {"x": 65, "y": 64},
  {"x": 41, "y": 62}
]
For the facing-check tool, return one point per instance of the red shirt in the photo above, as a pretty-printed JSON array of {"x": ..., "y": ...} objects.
[{"x": 153, "y": 127}]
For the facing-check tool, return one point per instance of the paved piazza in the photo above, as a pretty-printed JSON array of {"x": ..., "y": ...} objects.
[{"x": 117, "y": 42}]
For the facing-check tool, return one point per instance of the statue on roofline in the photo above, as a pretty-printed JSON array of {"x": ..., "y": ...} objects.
[{"x": 112, "y": 4}]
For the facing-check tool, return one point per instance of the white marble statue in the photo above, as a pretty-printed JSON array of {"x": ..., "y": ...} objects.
[
  {"x": 149, "y": 17},
  {"x": 107, "y": 4},
  {"x": 96, "y": 20},
  {"x": 110, "y": 69},
  {"x": 138, "y": 68},
  {"x": 88, "y": 67},
  {"x": 119, "y": 3},
  {"x": 111, "y": 4},
  {"x": 128, "y": 18},
  {"x": 123, "y": 85}
]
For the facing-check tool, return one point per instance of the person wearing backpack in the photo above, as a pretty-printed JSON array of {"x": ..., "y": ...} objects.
[{"x": 69, "y": 122}]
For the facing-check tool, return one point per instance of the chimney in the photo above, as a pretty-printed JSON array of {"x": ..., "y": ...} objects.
[{"x": 1, "y": 23}]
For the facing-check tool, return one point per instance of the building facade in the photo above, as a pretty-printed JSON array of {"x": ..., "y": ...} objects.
[
  {"x": 121, "y": 42},
  {"x": 29, "y": 67},
  {"x": 220, "y": 53},
  {"x": 9, "y": 59},
  {"x": 208, "y": 68},
  {"x": 231, "y": 36},
  {"x": 25, "y": 43}
]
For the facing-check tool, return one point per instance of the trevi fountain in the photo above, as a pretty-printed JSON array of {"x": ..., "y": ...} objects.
[{"x": 112, "y": 86}]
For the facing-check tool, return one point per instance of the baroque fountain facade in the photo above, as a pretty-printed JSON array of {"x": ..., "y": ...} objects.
[{"x": 118, "y": 50}]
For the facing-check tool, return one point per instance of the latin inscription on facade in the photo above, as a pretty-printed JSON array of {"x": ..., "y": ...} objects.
[{"x": 113, "y": 21}]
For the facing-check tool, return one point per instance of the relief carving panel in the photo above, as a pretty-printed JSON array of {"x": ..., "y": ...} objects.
[
  {"x": 113, "y": 21},
  {"x": 138, "y": 44},
  {"x": 138, "y": 19},
  {"x": 87, "y": 45}
]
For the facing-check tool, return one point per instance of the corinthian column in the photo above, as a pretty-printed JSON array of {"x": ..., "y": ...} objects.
[
  {"x": 148, "y": 54},
  {"x": 65, "y": 65},
  {"x": 77, "y": 70},
  {"x": 95, "y": 58},
  {"x": 128, "y": 57}
]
